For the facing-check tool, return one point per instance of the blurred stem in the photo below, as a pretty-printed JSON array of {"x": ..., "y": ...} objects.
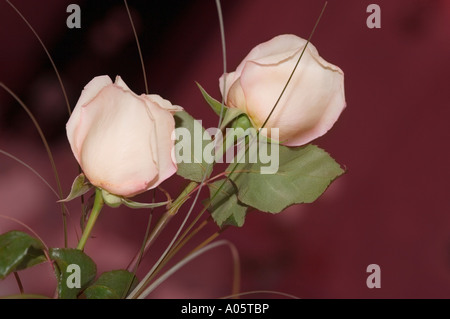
[
  {"x": 163, "y": 220},
  {"x": 19, "y": 282},
  {"x": 25, "y": 296},
  {"x": 98, "y": 204}
]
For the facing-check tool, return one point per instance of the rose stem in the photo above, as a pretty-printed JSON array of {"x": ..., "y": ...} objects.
[{"x": 98, "y": 204}]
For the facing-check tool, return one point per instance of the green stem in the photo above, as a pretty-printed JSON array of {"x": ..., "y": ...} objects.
[{"x": 98, "y": 204}]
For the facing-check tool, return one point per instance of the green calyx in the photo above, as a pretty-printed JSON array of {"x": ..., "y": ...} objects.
[{"x": 242, "y": 121}]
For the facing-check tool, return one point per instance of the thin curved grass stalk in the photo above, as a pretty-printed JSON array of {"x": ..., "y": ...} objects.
[
  {"x": 271, "y": 292},
  {"x": 31, "y": 169},
  {"x": 236, "y": 260},
  {"x": 49, "y": 153},
  {"x": 203, "y": 210},
  {"x": 187, "y": 235},
  {"x": 26, "y": 226},
  {"x": 140, "y": 255},
  {"x": 183, "y": 262},
  {"x": 296, "y": 65},
  {"x": 138, "y": 47},
  {"x": 48, "y": 55},
  {"x": 165, "y": 218},
  {"x": 134, "y": 264},
  {"x": 180, "y": 244},
  {"x": 191, "y": 208},
  {"x": 254, "y": 139},
  {"x": 224, "y": 56},
  {"x": 158, "y": 228},
  {"x": 69, "y": 109}
]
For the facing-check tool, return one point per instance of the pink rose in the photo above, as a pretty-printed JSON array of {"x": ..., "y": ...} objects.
[
  {"x": 122, "y": 141},
  {"x": 312, "y": 102}
]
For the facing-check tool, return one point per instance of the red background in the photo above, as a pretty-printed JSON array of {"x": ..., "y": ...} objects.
[{"x": 391, "y": 208}]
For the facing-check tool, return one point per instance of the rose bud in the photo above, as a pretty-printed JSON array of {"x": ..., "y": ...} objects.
[
  {"x": 122, "y": 141},
  {"x": 312, "y": 102}
]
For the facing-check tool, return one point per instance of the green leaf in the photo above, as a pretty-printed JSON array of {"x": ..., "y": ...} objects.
[
  {"x": 112, "y": 285},
  {"x": 80, "y": 186},
  {"x": 190, "y": 146},
  {"x": 65, "y": 257},
  {"x": 228, "y": 114},
  {"x": 18, "y": 251},
  {"x": 304, "y": 173},
  {"x": 215, "y": 105},
  {"x": 225, "y": 207}
]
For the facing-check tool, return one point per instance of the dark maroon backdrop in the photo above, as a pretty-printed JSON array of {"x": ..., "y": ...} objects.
[{"x": 392, "y": 208}]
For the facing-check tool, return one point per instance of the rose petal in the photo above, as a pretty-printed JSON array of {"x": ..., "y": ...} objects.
[
  {"x": 163, "y": 103},
  {"x": 230, "y": 79},
  {"x": 119, "y": 82},
  {"x": 165, "y": 125},
  {"x": 311, "y": 103},
  {"x": 236, "y": 97},
  {"x": 89, "y": 93},
  {"x": 276, "y": 50}
]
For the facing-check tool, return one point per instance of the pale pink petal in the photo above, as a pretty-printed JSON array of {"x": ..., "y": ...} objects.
[
  {"x": 165, "y": 125},
  {"x": 90, "y": 92},
  {"x": 236, "y": 97},
  {"x": 276, "y": 50},
  {"x": 230, "y": 79},
  {"x": 163, "y": 103},
  {"x": 119, "y": 82}
]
